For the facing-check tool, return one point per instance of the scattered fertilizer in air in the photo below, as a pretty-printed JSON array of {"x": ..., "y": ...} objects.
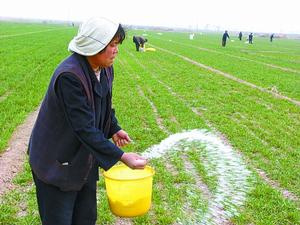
[{"x": 229, "y": 169}]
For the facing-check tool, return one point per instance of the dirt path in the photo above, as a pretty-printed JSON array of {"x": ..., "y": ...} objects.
[
  {"x": 12, "y": 160},
  {"x": 158, "y": 119}
]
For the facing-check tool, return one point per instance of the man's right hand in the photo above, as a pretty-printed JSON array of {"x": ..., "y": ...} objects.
[{"x": 134, "y": 161}]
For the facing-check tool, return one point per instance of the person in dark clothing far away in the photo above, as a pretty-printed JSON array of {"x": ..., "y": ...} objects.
[
  {"x": 139, "y": 42},
  {"x": 224, "y": 38},
  {"x": 250, "y": 38},
  {"x": 271, "y": 37},
  {"x": 240, "y": 36},
  {"x": 70, "y": 138}
]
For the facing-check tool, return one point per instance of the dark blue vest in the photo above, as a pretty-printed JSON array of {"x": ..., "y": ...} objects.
[{"x": 47, "y": 145}]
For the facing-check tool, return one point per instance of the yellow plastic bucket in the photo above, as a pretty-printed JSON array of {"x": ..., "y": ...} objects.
[{"x": 129, "y": 191}]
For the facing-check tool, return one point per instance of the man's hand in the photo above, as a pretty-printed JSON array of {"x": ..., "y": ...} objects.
[
  {"x": 121, "y": 138},
  {"x": 134, "y": 161}
]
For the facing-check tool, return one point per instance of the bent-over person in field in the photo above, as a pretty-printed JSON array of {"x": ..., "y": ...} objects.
[{"x": 139, "y": 42}]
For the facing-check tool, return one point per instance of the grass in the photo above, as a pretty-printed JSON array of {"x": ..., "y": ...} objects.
[
  {"x": 158, "y": 86},
  {"x": 27, "y": 59}
]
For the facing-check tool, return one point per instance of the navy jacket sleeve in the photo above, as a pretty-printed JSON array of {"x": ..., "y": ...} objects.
[
  {"x": 81, "y": 117},
  {"x": 114, "y": 124}
]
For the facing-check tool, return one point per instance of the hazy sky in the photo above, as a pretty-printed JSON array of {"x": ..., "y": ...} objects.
[{"x": 247, "y": 15}]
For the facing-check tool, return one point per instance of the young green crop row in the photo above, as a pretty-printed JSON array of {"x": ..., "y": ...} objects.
[{"x": 282, "y": 52}]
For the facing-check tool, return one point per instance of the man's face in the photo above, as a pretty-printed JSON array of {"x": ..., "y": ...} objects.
[{"x": 107, "y": 56}]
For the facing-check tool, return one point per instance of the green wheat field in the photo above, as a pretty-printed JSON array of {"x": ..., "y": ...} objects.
[{"x": 243, "y": 99}]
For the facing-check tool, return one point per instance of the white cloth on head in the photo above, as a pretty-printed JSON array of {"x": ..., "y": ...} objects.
[{"x": 93, "y": 36}]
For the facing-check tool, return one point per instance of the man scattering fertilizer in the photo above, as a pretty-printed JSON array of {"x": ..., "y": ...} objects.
[
  {"x": 224, "y": 38},
  {"x": 70, "y": 139},
  {"x": 139, "y": 42}
]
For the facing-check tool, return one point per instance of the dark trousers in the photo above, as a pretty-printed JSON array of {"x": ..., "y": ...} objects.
[
  {"x": 223, "y": 43},
  {"x": 58, "y": 207},
  {"x": 137, "y": 46}
]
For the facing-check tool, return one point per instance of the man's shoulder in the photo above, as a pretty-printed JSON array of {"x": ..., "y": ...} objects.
[{"x": 70, "y": 64}]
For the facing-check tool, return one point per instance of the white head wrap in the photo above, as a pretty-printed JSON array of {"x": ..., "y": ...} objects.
[{"x": 93, "y": 36}]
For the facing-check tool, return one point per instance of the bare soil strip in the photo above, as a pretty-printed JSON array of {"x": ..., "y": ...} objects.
[
  {"x": 199, "y": 183},
  {"x": 33, "y": 32},
  {"x": 159, "y": 120},
  {"x": 276, "y": 186},
  {"x": 12, "y": 160},
  {"x": 5, "y": 96},
  {"x": 123, "y": 221},
  {"x": 229, "y": 76}
]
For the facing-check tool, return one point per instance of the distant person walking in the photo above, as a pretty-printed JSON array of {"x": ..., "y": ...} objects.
[
  {"x": 139, "y": 42},
  {"x": 240, "y": 36},
  {"x": 271, "y": 37},
  {"x": 250, "y": 38},
  {"x": 224, "y": 38}
]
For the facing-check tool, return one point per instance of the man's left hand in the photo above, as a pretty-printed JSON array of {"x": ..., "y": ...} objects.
[{"x": 121, "y": 138}]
